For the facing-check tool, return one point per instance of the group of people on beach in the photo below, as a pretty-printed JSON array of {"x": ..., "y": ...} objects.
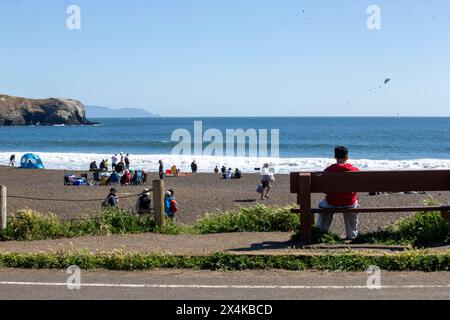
[
  {"x": 174, "y": 171},
  {"x": 117, "y": 164},
  {"x": 120, "y": 171},
  {"x": 144, "y": 202},
  {"x": 228, "y": 173}
]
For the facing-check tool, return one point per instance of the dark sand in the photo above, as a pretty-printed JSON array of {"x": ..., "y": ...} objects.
[{"x": 196, "y": 195}]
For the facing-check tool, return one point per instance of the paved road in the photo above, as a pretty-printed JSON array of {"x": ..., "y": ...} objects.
[{"x": 182, "y": 284}]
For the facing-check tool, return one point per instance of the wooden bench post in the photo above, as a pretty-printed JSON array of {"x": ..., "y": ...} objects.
[
  {"x": 3, "y": 208},
  {"x": 158, "y": 201},
  {"x": 445, "y": 215},
  {"x": 304, "y": 199}
]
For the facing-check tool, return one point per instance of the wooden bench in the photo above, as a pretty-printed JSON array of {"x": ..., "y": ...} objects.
[{"x": 306, "y": 183}]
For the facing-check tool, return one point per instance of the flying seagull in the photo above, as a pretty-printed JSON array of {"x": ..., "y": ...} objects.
[{"x": 387, "y": 80}]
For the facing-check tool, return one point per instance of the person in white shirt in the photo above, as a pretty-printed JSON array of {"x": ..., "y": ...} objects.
[
  {"x": 266, "y": 178},
  {"x": 229, "y": 174},
  {"x": 114, "y": 160}
]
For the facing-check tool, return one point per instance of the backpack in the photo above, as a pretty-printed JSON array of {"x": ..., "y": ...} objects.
[
  {"x": 259, "y": 188},
  {"x": 173, "y": 206}
]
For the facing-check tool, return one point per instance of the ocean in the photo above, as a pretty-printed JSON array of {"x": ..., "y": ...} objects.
[{"x": 304, "y": 143}]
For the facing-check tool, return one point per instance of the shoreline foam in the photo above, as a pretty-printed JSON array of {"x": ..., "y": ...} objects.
[{"x": 206, "y": 164}]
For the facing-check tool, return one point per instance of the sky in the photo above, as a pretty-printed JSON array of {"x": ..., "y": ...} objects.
[{"x": 232, "y": 57}]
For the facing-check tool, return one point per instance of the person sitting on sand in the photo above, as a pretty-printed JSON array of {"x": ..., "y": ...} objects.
[
  {"x": 216, "y": 170},
  {"x": 125, "y": 180},
  {"x": 229, "y": 174},
  {"x": 174, "y": 170},
  {"x": 143, "y": 203},
  {"x": 224, "y": 171},
  {"x": 93, "y": 166},
  {"x": 340, "y": 200},
  {"x": 237, "y": 174},
  {"x": 103, "y": 166},
  {"x": 112, "y": 200},
  {"x": 120, "y": 167}
]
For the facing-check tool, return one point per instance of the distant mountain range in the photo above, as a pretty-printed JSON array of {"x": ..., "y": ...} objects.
[{"x": 106, "y": 112}]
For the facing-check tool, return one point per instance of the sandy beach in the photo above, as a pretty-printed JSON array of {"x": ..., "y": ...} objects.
[{"x": 196, "y": 195}]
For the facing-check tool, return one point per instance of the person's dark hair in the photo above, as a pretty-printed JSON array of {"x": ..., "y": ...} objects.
[
  {"x": 340, "y": 152},
  {"x": 113, "y": 190},
  {"x": 172, "y": 192}
]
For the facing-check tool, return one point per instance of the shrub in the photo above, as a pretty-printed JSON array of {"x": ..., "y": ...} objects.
[
  {"x": 29, "y": 225},
  {"x": 119, "y": 260},
  {"x": 253, "y": 219},
  {"x": 421, "y": 229}
]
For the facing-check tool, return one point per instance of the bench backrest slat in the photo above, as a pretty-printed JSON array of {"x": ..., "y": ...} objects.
[{"x": 376, "y": 181}]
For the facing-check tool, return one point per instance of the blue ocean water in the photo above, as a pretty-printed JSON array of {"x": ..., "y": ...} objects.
[{"x": 367, "y": 138}]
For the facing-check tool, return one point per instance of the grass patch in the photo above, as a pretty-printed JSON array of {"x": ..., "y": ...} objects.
[
  {"x": 29, "y": 225},
  {"x": 320, "y": 236},
  {"x": 119, "y": 260},
  {"x": 253, "y": 219},
  {"x": 420, "y": 230}
]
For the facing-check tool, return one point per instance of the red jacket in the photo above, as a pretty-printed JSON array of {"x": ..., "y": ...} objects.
[{"x": 342, "y": 199}]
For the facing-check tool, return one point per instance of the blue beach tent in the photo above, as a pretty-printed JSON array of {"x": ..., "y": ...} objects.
[{"x": 31, "y": 161}]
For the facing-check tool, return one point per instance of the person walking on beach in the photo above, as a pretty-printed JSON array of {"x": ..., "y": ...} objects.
[
  {"x": 12, "y": 160},
  {"x": 340, "y": 200},
  {"x": 127, "y": 161},
  {"x": 114, "y": 161},
  {"x": 112, "y": 200},
  {"x": 194, "y": 167},
  {"x": 143, "y": 204},
  {"x": 161, "y": 170},
  {"x": 266, "y": 178}
]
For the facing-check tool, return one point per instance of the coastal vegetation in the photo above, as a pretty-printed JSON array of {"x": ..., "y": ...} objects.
[
  {"x": 418, "y": 230},
  {"x": 413, "y": 260}
]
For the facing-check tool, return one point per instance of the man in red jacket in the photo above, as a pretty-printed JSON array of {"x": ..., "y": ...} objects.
[{"x": 340, "y": 200}]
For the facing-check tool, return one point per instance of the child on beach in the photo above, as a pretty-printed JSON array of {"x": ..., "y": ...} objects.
[
  {"x": 161, "y": 170},
  {"x": 170, "y": 204},
  {"x": 340, "y": 200}
]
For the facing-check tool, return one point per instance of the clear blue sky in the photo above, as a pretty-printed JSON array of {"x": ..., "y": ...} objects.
[{"x": 231, "y": 58}]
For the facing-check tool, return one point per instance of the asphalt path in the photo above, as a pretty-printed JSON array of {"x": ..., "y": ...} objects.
[{"x": 213, "y": 285}]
